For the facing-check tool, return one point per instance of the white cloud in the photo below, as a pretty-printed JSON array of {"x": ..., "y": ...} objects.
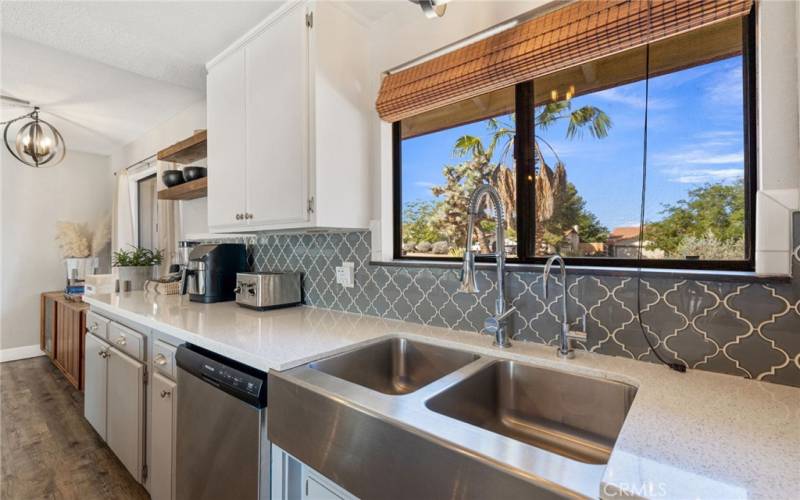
[
  {"x": 424, "y": 184},
  {"x": 726, "y": 89},
  {"x": 714, "y": 156},
  {"x": 719, "y": 134},
  {"x": 632, "y": 99},
  {"x": 704, "y": 175},
  {"x": 701, "y": 157}
]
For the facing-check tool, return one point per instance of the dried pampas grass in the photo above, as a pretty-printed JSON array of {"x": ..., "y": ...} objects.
[
  {"x": 73, "y": 239},
  {"x": 101, "y": 236}
]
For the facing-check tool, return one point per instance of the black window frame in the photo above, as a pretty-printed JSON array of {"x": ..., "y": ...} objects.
[{"x": 525, "y": 168}]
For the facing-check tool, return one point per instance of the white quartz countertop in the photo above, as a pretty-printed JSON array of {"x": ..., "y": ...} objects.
[{"x": 697, "y": 435}]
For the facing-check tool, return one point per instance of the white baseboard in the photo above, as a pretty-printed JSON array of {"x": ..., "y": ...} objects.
[{"x": 24, "y": 352}]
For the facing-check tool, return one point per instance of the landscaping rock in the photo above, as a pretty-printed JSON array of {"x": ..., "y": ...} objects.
[{"x": 441, "y": 248}]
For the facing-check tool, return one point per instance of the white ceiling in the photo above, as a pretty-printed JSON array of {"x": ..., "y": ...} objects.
[
  {"x": 105, "y": 73},
  {"x": 166, "y": 41}
]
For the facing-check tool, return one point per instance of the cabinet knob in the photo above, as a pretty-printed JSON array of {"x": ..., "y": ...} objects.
[
  {"x": 121, "y": 341},
  {"x": 165, "y": 393},
  {"x": 160, "y": 360},
  {"x": 93, "y": 327}
]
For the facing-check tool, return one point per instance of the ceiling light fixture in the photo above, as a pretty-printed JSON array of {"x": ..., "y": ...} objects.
[
  {"x": 37, "y": 142},
  {"x": 432, "y": 8}
]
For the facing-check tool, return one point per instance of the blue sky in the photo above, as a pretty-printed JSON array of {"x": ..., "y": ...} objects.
[{"x": 695, "y": 137}]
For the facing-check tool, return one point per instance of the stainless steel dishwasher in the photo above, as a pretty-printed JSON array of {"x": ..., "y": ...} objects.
[{"x": 222, "y": 446}]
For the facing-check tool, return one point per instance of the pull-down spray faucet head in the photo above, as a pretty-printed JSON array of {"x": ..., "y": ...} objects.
[{"x": 468, "y": 283}]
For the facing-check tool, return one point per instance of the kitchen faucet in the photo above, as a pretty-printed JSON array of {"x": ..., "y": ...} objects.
[
  {"x": 497, "y": 324},
  {"x": 565, "y": 349}
]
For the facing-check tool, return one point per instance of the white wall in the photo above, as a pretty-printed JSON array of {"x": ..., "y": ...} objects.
[
  {"x": 778, "y": 134},
  {"x": 194, "y": 217},
  {"x": 32, "y": 200}
]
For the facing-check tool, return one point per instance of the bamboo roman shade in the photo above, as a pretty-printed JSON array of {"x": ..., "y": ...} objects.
[{"x": 577, "y": 33}]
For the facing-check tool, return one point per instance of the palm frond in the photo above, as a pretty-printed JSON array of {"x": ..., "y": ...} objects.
[
  {"x": 590, "y": 118},
  {"x": 468, "y": 144}
]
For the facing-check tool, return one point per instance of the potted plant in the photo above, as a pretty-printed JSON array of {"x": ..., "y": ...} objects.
[
  {"x": 81, "y": 250},
  {"x": 135, "y": 267}
]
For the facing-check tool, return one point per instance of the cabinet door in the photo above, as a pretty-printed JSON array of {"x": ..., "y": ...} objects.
[
  {"x": 317, "y": 487},
  {"x": 48, "y": 325},
  {"x": 95, "y": 386},
  {"x": 277, "y": 121},
  {"x": 225, "y": 94},
  {"x": 126, "y": 410},
  {"x": 68, "y": 342},
  {"x": 162, "y": 438}
]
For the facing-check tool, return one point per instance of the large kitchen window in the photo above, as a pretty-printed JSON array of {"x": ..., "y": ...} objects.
[{"x": 566, "y": 154}]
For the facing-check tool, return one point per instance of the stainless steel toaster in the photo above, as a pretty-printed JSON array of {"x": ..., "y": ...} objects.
[{"x": 269, "y": 290}]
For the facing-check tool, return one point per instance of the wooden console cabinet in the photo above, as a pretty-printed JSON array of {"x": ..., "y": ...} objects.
[{"x": 62, "y": 327}]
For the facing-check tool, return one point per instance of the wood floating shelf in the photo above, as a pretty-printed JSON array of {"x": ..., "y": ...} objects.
[
  {"x": 191, "y": 190},
  {"x": 186, "y": 151}
]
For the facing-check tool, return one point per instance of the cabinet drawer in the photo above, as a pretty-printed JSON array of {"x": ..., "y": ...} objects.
[
  {"x": 126, "y": 340},
  {"x": 97, "y": 324},
  {"x": 164, "y": 359}
]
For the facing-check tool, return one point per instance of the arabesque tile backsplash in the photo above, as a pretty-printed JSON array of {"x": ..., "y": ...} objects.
[{"x": 742, "y": 328}]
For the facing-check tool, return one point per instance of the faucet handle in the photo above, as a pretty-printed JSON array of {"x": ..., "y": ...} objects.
[
  {"x": 493, "y": 323},
  {"x": 506, "y": 314}
]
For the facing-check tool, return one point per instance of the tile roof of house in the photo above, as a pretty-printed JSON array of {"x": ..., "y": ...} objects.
[{"x": 624, "y": 233}]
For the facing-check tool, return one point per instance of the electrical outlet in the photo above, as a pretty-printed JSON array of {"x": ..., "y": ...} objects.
[{"x": 345, "y": 274}]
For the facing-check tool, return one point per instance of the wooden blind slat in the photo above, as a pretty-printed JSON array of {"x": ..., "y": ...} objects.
[{"x": 575, "y": 34}]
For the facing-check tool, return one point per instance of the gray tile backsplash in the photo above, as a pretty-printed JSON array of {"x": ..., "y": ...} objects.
[{"x": 743, "y": 328}]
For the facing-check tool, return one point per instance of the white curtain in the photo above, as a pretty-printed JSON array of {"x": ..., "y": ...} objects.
[
  {"x": 169, "y": 229},
  {"x": 122, "y": 234}
]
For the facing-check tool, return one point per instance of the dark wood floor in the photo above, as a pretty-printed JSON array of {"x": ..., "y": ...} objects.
[{"x": 47, "y": 448}]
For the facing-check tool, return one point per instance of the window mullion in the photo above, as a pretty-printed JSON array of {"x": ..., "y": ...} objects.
[{"x": 523, "y": 147}]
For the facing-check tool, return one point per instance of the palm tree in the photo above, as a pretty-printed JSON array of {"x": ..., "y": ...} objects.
[{"x": 550, "y": 182}]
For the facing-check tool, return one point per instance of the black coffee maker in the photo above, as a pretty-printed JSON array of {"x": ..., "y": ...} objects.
[{"x": 210, "y": 275}]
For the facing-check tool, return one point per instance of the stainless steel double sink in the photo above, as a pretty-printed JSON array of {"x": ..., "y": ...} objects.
[{"x": 496, "y": 425}]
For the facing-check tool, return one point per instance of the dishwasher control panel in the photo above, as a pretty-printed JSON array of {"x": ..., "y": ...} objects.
[
  {"x": 233, "y": 378},
  {"x": 238, "y": 380}
]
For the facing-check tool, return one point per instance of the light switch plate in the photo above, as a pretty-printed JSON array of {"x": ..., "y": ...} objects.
[{"x": 345, "y": 274}]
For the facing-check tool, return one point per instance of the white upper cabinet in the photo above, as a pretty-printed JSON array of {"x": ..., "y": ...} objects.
[
  {"x": 288, "y": 124},
  {"x": 277, "y": 121},
  {"x": 226, "y": 148}
]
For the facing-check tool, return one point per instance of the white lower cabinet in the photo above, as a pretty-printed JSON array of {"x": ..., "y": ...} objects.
[
  {"x": 114, "y": 394},
  {"x": 294, "y": 480},
  {"x": 162, "y": 438},
  {"x": 95, "y": 383},
  {"x": 125, "y": 410},
  {"x": 315, "y": 487}
]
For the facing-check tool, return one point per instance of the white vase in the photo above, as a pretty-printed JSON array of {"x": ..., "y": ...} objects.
[
  {"x": 77, "y": 268},
  {"x": 133, "y": 277}
]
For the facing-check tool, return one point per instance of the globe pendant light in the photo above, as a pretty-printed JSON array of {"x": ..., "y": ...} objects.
[
  {"x": 37, "y": 143},
  {"x": 432, "y": 8}
]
